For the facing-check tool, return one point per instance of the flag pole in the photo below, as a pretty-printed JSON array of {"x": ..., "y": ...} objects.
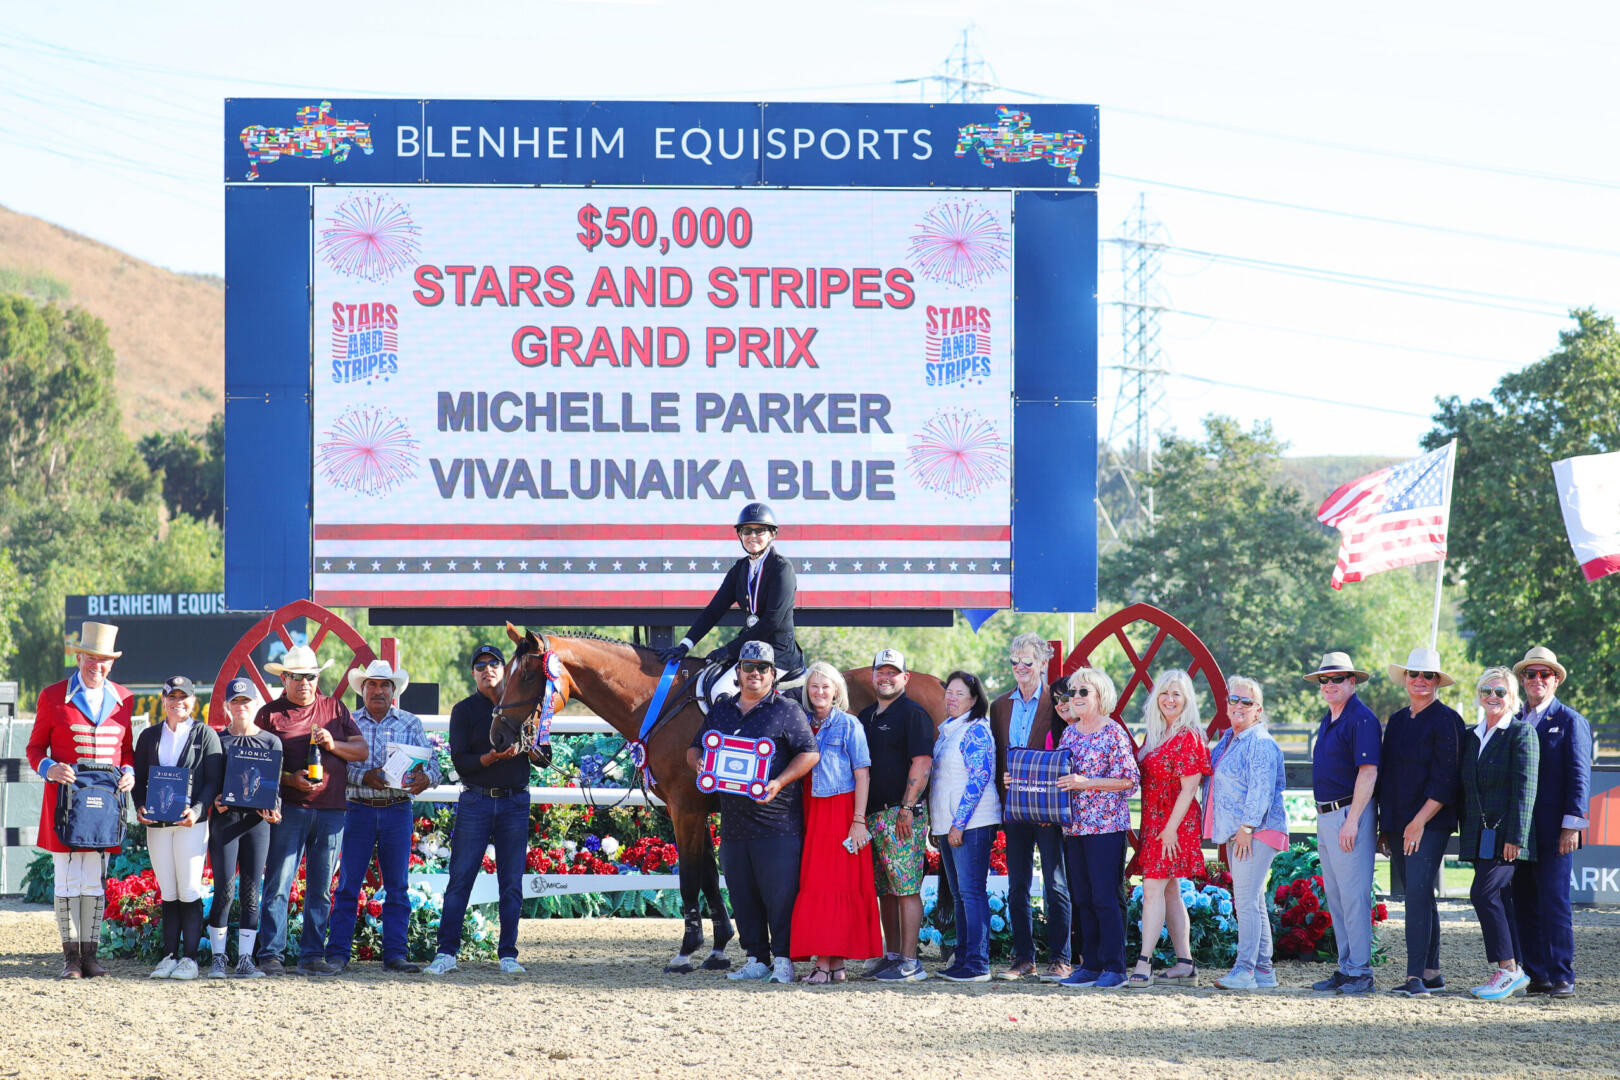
[{"x": 1440, "y": 566}]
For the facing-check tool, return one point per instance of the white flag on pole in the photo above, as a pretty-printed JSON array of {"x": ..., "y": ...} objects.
[{"x": 1589, "y": 492}]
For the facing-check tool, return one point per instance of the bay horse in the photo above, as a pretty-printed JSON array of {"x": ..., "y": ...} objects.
[{"x": 617, "y": 679}]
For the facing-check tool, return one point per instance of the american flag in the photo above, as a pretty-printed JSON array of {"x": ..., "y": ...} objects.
[{"x": 1396, "y": 516}]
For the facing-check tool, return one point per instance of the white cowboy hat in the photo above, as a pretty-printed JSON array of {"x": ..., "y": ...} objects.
[
  {"x": 300, "y": 660},
  {"x": 1337, "y": 663},
  {"x": 1420, "y": 660},
  {"x": 1540, "y": 654},
  {"x": 96, "y": 639},
  {"x": 380, "y": 670}
]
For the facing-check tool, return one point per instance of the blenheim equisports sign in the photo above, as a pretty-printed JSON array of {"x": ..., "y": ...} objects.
[{"x": 560, "y": 395}]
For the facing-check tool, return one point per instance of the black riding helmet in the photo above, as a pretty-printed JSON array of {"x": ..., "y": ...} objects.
[{"x": 757, "y": 514}]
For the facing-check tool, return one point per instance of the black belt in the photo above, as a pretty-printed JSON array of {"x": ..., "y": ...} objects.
[
  {"x": 1337, "y": 804},
  {"x": 494, "y": 792},
  {"x": 380, "y": 802}
]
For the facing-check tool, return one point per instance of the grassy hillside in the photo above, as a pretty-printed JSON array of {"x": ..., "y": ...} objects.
[{"x": 167, "y": 329}]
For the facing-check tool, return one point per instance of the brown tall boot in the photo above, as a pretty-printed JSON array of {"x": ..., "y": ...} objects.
[
  {"x": 87, "y": 960},
  {"x": 70, "y": 960}
]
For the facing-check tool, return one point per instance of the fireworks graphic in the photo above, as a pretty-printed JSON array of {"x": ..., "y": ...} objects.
[
  {"x": 370, "y": 236},
  {"x": 368, "y": 450},
  {"x": 958, "y": 453},
  {"x": 959, "y": 243}
]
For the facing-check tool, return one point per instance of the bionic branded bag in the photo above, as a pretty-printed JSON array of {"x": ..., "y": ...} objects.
[
  {"x": 1032, "y": 793},
  {"x": 90, "y": 812}
]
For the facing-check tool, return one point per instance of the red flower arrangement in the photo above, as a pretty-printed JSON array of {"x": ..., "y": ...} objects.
[{"x": 1307, "y": 925}]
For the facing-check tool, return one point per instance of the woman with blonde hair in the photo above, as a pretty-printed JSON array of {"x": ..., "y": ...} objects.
[
  {"x": 836, "y": 913},
  {"x": 1174, "y": 762}
]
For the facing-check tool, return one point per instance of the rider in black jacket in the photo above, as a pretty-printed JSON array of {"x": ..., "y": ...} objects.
[{"x": 762, "y": 583}]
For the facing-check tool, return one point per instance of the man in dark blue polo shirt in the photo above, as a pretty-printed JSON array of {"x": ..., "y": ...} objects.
[{"x": 1344, "y": 774}]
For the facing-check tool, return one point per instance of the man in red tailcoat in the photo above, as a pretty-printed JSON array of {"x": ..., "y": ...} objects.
[{"x": 84, "y": 719}]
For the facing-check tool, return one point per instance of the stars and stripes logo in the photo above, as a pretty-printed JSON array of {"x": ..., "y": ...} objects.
[{"x": 1396, "y": 516}]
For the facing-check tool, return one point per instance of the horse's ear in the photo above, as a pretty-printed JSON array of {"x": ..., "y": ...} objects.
[{"x": 512, "y": 632}]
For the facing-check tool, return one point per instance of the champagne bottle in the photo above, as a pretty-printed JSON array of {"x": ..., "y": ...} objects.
[{"x": 313, "y": 769}]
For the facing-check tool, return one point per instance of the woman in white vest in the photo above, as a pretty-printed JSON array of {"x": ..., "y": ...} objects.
[{"x": 964, "y": 811}]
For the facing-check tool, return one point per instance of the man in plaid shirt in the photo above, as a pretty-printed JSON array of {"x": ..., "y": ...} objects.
[{"x": 379, "y": 817}]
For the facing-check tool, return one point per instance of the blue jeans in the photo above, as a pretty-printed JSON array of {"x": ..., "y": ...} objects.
[
  {"x": 968, "y": 870},
  {"x": 1421, "y": 872},
  {"x": 388, "y": 830},
  {"x": 1023, "y": 838},
  {"x": 481, "y": 821},
  {"x": 315, "y": 835},
  {"x": 1096, "y": 868},
  {"x": 1249, "y": 899}
]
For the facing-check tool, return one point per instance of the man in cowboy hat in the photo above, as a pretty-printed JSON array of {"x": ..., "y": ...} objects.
[
  {"x": 378, "y": 817},
  {"x": 1344, "y": 773},
  {"x": 1418, "y": 795},
  {"x": 1541, "y": 888},
  {"x": 83, "y": 719},
  {"x": 310, "y": 726}
]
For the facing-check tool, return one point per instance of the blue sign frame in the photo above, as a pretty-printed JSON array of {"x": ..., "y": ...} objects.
[{"x": 276, "y": 149}]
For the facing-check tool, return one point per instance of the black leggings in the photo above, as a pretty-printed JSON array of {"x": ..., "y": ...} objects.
[{"x": 237, "y": 839}]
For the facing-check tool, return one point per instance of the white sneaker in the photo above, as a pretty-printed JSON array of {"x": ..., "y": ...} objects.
[
  {"x": 443, "y": 964},
  {"x": 509, "y": 966},
  {"x": 165, "y": 968},
  {"x": 754, "y": 969},
  {"x": 185, "y": 969},
  {"x": 782, "y": 970},
  {"x": 1502, "y": 985}
]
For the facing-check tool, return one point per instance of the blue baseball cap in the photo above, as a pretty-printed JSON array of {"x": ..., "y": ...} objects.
[
  {"x": 487, "y": 649},
  {"x": 238, "y": 688},
  {"x": 758, "y": 651}
]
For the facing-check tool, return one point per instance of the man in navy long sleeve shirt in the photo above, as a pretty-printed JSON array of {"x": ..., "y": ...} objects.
[{"x": 493, "y": 808}]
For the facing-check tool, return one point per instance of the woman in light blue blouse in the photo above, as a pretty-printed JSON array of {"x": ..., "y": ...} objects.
[
  {"x": 1243, "y": 809},
  {"x": 963, "y": 812},
  {"x": 836, "y": 913}
]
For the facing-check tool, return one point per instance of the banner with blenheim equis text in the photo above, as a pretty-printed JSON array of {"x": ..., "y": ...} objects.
[
  {"x": 1589, "y": 493},
  {"x": 548, "y": 397}
]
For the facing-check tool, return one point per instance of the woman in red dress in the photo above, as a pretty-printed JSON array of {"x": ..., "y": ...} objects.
[
  {"x": 836, "y": 913},
  {"x": 1174, "y": 762}
]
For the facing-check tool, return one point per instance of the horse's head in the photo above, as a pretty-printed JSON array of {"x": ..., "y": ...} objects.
[
  {"x": 528, "y": 691},
  {"x": 362, "y": 137}
]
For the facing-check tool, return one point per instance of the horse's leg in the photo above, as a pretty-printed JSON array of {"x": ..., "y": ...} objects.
[
  {"x": 692, "y": 843},
  {"x": 723, "y": 933}
]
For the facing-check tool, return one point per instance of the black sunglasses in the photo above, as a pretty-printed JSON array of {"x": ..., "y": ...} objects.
[
  {"x": 1233, "y": 699},
  {"x": 1493, "y": 691},
  {"x": 1429, "y": 676},
  {"x": 298, "y": 676},
  {"x": 755, "y": 667},
  {"x": 1540, "y": 673},
  {"x": 484, "y": 664},
  {"x": 1079, "y": 691},
  {"x": 1334, "y": 679},
  {"x": 754, "y": 530}
]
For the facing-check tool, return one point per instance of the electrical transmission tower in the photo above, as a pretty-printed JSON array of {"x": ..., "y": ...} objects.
[
  {"x": 1139, "y": 410},
  {"x": 963, "y": 77}
]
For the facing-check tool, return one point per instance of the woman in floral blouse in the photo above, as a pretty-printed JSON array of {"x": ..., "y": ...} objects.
[
  {"x": 1105, "y": 775},
  {"x": 964, "y": 811},
  {"x": 1174, "y": 763}
]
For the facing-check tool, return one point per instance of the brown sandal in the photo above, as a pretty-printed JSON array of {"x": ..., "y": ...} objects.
[
  {"x": 839, "y": 975},
  {"x": 819, "y": 977}
]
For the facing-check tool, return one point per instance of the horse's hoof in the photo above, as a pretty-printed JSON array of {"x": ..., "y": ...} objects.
[
  {"x": 681, "y": 965},
  {"x": 717, "y": 962}
]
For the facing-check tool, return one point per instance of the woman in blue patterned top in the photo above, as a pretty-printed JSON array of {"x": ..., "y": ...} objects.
[
  {"x": 964, "y": 810},
  {"x": 1243, "y": 809}
]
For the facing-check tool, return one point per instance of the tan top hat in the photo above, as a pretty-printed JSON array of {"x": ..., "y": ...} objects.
[
  {"x": 300, "y": 660},
  {"x": 1337, "y": 663},
  {"x": 1540, "y": 654},
  {"x": 96, "y": 639},
  {"x": 378, "y": 669},
  {"x": 1421, "y": 660}
]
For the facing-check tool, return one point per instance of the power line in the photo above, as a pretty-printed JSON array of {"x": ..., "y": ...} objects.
[
  {"x": 1298, "y": 396},
  {"x": 1342, "y": 338}
]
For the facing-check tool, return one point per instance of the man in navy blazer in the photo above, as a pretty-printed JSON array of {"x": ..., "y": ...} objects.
[{"x": 1541, "y": 889}]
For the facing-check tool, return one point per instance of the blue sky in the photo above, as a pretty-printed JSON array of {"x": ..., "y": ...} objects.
[{"x": 1364, "y": 208}]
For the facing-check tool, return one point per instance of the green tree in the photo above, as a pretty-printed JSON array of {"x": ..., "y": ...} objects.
[
  {"x": 11, "y": 596},
  {"x": 192, "y": 467},
  {"x": 1507, "y": 538}
]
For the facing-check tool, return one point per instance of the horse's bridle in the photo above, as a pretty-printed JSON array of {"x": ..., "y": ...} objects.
[{"x": 530, "y": 727}]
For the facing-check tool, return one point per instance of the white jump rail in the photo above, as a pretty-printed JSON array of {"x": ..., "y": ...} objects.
[{"x": 562, "y": 725}]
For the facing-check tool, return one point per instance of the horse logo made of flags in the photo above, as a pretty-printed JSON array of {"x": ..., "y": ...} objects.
[
  {"x": 1011, "y": 139},
  {"x": 318, "y": 134}
]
